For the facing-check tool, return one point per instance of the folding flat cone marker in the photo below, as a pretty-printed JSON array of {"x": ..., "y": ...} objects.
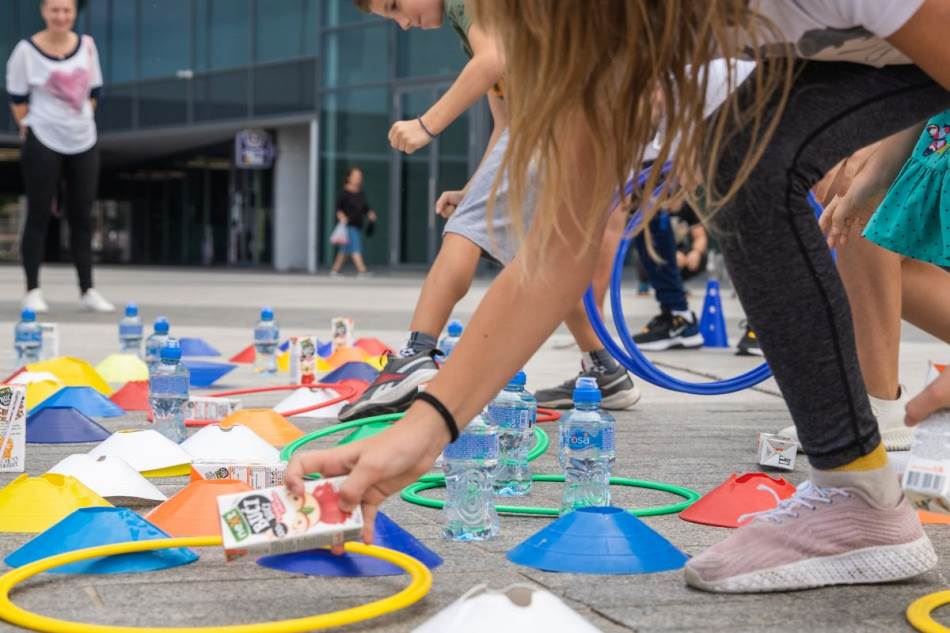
[
  {"x": 598, "y": 541},
  {"x": 365, "y": 431},
  {"x": 267, "y": 423},
  {"x": 90, "y": 527},
  {"x": 357, "y": 371},
  {"x": 516, "y": 609},
  {"x": 37, "y": 392},
  {"x": 145, "y": 450},
  {"x": 118, "y": 369},
  {"x": 74, "y": 372},
  {"x": 245, "y": 357},
  {"x": 62, "y": 425},
  {"x": 373, "y": 346},
  {"x": 214, "y": 443},
  {"x": 737, "y": 496},
  {"x": 110, "y": 477},
  {"x": 191, "y": 346},
  {"x": 305, "y": 397},
  {"x": 322, "y": 563},
  {"x": 712, "y": 323},
  {"x": 283, "y": 362},
  {"x": 32, "y": 504},
  {"x": 205, "y": 373},
  {"x": 193, "y": 511},
  {"x": 377, "y": 362},
  {"x": 341, "y": 356},
  {"x": 933, "y": 518},
  {"x": 324, "y": 350},
  {"x": 84, "y": 399},
  {"x": 133, "y": 396}
]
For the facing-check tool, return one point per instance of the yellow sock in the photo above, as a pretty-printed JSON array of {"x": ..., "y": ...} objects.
[{"x": 872, "y": 461}]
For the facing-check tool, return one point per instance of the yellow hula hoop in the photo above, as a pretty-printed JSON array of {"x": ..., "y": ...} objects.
[
  {"x": 421, "y": 582},
  {"x": 920, "y": 610}
]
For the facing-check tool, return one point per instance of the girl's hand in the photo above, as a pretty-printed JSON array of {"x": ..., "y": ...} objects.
[
  {"x": 23, "y": 130},
  {"x": 378, "y": 466},
  {"x": 840, "y": 216},
  {"x": 408, "y": 136},
  {"x": 935, "y": 396},
  {"x": 448, "y": 202}
]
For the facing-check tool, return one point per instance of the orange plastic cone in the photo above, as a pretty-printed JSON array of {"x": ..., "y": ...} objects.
[
  {"x": 740, "y": 495},
  {"x": 133, "y": 396},
  {"x": 373, "y": 346},
  {"x": 245, "y": 357},
  {"x": 340, "y": 356},
  {"x": 270, "y": 425},
  {"x": 193, "y": 511}
]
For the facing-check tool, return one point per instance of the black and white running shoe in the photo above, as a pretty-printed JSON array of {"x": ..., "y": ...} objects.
[
  {"x": 749, "y": 343},
  {"x": 669, "y": 331},
  {"x": 616, "y": 388},
  {"x": 395, "y": 387}
]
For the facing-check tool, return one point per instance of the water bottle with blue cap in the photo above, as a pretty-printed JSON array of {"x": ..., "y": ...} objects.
[
  {"x": 469, "y": 465},
  {"x": 514, "y": 417},
  {"x": 155, "y": 342},
  {"x": 586, "y": 449},
  {"x": 27, "y": 338},
  {"x": 451, "y": 339},
  {"x": 266, "y": 339},
  {"x": 131, "y": 331},
  {"x": 168, "y": 392}
]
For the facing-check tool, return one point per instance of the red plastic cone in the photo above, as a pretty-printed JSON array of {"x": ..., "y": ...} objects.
[
  {"x": 133, "y": 396},
  {"x": 246, "y": 356},
  {"x": 373, "y": 346},
  {"x": 739, "y": 495}
]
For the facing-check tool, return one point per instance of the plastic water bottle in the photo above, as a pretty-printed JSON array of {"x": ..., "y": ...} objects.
[
  {"x": 469, "y": 463},
  {"x": 266, "y": 339},
  {"x": 131, "y": 331},
  {"x": 586, "y": 449},
  {"x": 168, "y": 392},
  {"x": 155, "y": 342},
  {"x": 513, "y": 416},
  {"x": 451, "y": 339},
  {"x": 27, "y": 339}
]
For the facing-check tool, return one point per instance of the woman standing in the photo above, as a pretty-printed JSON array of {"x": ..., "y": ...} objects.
[
  {"x": 353, "y": 212},
  {"x": 53, "y": 80}
]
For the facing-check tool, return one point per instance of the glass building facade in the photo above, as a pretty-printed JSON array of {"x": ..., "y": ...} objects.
[{"x": 325, "y": 80}]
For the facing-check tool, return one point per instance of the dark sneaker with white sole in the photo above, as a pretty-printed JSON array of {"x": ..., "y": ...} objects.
[
  {"x": 395, "y": 387},
  {"x": 616, "y": 388},
  {"x": 749, "y": 343},
  {"x": 669, "y": 331}
]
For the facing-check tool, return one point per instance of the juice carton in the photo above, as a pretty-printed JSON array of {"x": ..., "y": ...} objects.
[
  {"x": 209, "y": 408},
  {"x": 775, "y": 451},
  {"x": 342, "y": 332},
  {"x": 255, "y": 475},
  {"x": 50, "y": 341},
  {"x": 926, "y": 479},
  {"x": 276, "y": 521},
  {"x": 12, "y": 428},
  {"x": 303, "y": 359}
]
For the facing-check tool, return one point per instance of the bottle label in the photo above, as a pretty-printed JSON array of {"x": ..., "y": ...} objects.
[
  {"x": 130, "y": 330},
  {"x": 510, "y": 418},
  {"x": 173, "y": 385},
  {"x": 473, "y": 446},
  {"x": 581, "y": 439},
  {"x": 29, "y": 336}
]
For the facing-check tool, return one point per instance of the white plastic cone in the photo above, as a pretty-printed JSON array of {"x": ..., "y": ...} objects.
[
  {"x": 144, "y": 450},
  {"x": 109, "y": 476},
  {"x": 515, "y": 609},
  {"x": 236, "y": 443},
  {"x": 27, "y": 377},
  {"x": 304, "y": 397}
]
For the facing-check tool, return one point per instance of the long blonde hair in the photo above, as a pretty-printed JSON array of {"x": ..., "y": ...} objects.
[{"x": 597, "y": 65}]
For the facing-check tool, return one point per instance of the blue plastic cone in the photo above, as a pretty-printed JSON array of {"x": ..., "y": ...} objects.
[
  {"x": 86, "y": 400},
  {"x": 62, "y": 425},
  {"x": 89, "y": 527},
  {"x": 191, "y": 346},
  {"x": 322, "y": 563},
  {"x": 324, "y": 350},
  {"x": 204, "y": 373},
  {"x": 351, "y": 371},
  {"x": 712, "y": 324},
  {"x": 598, "y": 541}
]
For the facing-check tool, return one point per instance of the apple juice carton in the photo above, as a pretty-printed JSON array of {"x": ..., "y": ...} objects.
[
  {"x": 926, "y": 478},
  {"x": 342, "y": 332},
  {"x": 210, "y": 408},
  {"x": 12, "y": 428},
  {"x": 276, "y": 521},
  {"x": 303, "y": 359},
  {"x": 775, "y": 451}
]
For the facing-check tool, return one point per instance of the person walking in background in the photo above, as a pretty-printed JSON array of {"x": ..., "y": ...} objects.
[
  {"x": 353, "y": 215},
  {"x": 53, "y": 81}
]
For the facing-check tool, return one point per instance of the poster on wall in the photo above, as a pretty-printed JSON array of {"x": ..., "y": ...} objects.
[{"x": 253, "y": 149}]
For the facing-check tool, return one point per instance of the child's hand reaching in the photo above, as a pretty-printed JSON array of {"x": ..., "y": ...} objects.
[
  {"x": 448, "y": 202},
  {"x": 843, "y": 214},
  {"x": 935, "y": 396},
  {"x": 408, "y": 136}
]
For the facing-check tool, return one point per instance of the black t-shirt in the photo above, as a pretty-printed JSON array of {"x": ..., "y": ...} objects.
[{"x": 354, "y": 206}]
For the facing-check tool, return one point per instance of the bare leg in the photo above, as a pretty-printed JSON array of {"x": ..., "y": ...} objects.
[
  {"x": 446, "y": 284},
  {"x": 358, "y": 262},
  {"x": 338, "y": 261},
  {"x": 926, "y": 297}
]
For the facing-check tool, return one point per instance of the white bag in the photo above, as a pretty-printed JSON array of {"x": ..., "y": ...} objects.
[{"x": 339, "y": 237}]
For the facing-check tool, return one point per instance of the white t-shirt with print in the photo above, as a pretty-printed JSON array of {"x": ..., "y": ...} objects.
[
  {"x": 60, "y": 115},
  {"x": 841, "y": 30}
]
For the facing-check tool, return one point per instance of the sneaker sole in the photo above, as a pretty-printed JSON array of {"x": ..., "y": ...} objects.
[
  {"x": 749, "y": 351},
  {"x": 679, "y": 342},
  {"x": 396, "y": 400},
  {"x": 870, "y": 565},
  {"x": 621, "y": 400}
]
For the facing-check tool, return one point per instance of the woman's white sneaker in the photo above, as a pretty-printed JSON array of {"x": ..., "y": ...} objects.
[
  {"x": 34, "y": 301},
  {"x": 92, "y": 301}
]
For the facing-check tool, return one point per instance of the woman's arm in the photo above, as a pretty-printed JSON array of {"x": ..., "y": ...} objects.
[
  {"x": 923, "y": 38},
  {"x": 19, "y": 111}
]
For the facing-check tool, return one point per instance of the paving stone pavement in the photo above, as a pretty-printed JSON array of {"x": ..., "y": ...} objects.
[{"x": 687, "y": 440}]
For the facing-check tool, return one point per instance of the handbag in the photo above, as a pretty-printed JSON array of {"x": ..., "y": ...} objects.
[{"x": 339, "y": 237}]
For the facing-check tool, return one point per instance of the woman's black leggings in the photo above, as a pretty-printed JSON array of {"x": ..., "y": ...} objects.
[
  {"x": 43, "y": 169},
  {"x": 777, "y": 256}
]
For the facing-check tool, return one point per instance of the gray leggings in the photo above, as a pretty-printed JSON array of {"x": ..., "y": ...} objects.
[{"x": 777, "y": 257}]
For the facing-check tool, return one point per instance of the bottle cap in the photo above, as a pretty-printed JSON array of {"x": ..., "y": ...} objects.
[
  {"x": 28, "y": 316},
  {"x": 171, "y": 351},
  {"x": 586, "y": 391},
  {"x": 267, "y": 314},
  {"x": 131, "y": 310},
  {"x": 455, "y": 328},
  {"x": 518, "y": 380},
  {"x": 161, "y": 325}
]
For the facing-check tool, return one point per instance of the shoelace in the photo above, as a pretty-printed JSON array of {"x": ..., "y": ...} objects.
[{"x": 807, "y": 496}]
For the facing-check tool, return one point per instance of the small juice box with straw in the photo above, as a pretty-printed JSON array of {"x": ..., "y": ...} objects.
[{"x": 12, "y": 428}]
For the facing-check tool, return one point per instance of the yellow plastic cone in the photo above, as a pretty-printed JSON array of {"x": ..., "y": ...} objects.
[
  {"x": 32, "y": 504},
  {"x": 74, "y": 372},
  {"x": 119, "y": 369},
  {"x": 283, "y": 362}
]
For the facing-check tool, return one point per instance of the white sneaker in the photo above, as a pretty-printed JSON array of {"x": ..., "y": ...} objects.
[
  {"x": 34, "y": 301},
  {"x": 92, "y": 301},
  {"x": 890, "y": 420}
]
